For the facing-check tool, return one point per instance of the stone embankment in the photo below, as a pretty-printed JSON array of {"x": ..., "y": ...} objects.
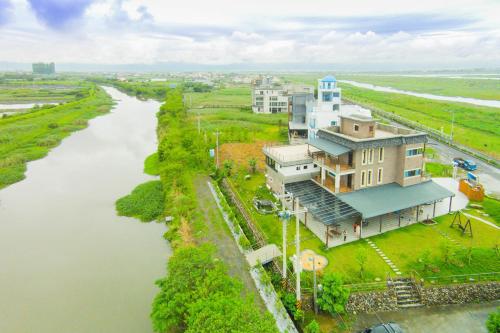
[{"x": 375, "y": 301}]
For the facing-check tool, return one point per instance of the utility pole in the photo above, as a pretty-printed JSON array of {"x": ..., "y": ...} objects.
[
  {"x": 284, "y": 219},
  {"x": 199, "y": 125},
  {"x": 452, "y": 123},
  {"x": 315, "y": 295},
  {"x": 297, "y": 245},
  {"x": 217, "y": 149}
]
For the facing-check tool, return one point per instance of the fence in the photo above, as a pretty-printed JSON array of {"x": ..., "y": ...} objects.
[{"x": 463, "y": 278}]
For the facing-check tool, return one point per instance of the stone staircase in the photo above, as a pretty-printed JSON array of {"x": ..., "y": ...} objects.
[{"x": 407, "y": 293}]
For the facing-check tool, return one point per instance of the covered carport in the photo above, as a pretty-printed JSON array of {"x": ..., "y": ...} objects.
[{"x": 393, "y": 200}]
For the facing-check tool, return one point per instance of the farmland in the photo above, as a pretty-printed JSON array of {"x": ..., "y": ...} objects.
[{"x": 40, "y": 91}]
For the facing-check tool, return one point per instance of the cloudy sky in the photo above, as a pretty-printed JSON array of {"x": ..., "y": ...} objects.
[{"x": 433, "y": 33}]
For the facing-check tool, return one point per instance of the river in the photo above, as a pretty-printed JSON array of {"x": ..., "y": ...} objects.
[
  {"x": 24, "y": 105},
  {"x": 475, "y": 101},
  {"x": 67, "y": 262}
]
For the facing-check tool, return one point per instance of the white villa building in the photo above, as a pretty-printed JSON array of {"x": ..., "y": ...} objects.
[
  {"x": 308, "y": 115},
  {"x": 269, "y": 97}
]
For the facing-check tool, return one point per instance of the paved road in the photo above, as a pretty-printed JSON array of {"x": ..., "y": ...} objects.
[
  {"x": 488, "y": 175},
  {"x": 469, "y": 318}
]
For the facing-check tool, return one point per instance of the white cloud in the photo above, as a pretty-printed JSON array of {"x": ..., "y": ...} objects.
[{"x": 224, "y": 32}]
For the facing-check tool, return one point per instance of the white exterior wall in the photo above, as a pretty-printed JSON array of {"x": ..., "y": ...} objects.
[
  {"x": 291, "y": 171},
  {"x": 264, "y": 100}
]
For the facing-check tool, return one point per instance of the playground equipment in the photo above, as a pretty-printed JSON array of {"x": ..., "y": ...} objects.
[{"x": 457, "y": 222}]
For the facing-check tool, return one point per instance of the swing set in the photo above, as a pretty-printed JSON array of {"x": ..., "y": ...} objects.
[{"x": 457, "y": 222}]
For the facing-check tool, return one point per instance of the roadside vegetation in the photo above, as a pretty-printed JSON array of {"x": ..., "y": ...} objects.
[{"x": 30, "y": 135}]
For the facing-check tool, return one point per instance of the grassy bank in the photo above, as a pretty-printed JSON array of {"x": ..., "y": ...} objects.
[
  {"x": 30, "y": 136},
  {"x": 474, "y": 88},
  {"x": 145, "y": 202},
  {"x": 41, "y": 91}
]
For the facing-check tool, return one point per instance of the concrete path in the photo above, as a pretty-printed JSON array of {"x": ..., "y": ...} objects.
[
  {"x": 383, "y": 256},
  {"x": 218, "y": 233},
  {"x": 491, "y": 224},
  {"x": 469, "y": 318}
]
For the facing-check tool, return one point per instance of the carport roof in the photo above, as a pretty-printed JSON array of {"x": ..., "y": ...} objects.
[
  {"x": 323, "y": 205},
  {"x": 380, "y": 200}
]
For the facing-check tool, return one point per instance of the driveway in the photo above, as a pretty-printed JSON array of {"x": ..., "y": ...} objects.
[{"x": 469, "y": 318}]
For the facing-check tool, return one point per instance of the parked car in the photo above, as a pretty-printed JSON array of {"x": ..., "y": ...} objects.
[
  {"x": 468, "y": 165},
  {"x": 384, "y": 328}
]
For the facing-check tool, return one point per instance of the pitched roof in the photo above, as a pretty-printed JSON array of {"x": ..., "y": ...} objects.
[
  {"x": 376, "y": 201},
  {"x": 329, "y": 146}
]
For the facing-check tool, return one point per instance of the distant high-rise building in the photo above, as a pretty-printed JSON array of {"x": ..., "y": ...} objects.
[{"x": 44, "y": 68}]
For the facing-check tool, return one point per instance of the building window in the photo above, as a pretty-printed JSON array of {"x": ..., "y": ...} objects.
[
  {"x": 356, "y": 127},
  {"x": 370, "y": 129},
  {"x": 271, "y": 163},
  {"x": 380, "y": 175},
  {"x": 370, "y": 156},
  {"x": 369, "y": 180},
  {"x": 305, "y": 167},
  {"x": 414, "y": 152},
  {"x": 315, "y": 165},
  {"x": 363, "y": 177},
  {"x": 333, "y": 123},
  {"x": 297, "y": 168},
  {"x": 381, "y": 154},
  {"x": 412, "y": 173},
  {"x": 335, "y": 107},
  {"x": 363, "y": 157}
]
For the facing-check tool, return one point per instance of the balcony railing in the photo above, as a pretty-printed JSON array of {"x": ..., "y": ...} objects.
[
  {"x": 331, "y": 163},
  {"x": 329, "y": 183}
]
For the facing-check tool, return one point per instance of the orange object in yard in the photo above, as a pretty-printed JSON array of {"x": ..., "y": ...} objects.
[{"x": 472, "y": 191}]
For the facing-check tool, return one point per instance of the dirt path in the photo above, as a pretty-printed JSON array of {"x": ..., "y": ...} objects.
[{"x": 219, "y": 234}]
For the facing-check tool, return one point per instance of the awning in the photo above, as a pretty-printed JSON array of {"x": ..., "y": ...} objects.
[
  {"x": 380, "y": 200},
  {"x": 323, "y": 205},
  {"x": 330, "y": 147}
]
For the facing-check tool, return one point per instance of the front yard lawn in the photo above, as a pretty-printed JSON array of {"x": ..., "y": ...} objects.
[{"x": 417, "y": 247}]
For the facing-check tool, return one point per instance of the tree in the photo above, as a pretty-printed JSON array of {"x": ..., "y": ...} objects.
[
  {"x": 334, "y": 295},
  {"x": 361, "y": 257},
  {"x": 493, "y": 322},
  {"x": 253, "y": 164},
  {"x": 228, "y": 167},
  {"x": 312, "y": 327},
  {"x": 220, "y": 313}
]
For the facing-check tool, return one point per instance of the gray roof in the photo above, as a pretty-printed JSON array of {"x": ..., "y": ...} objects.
[
  {"x": 323, "y": 205},
  {"x": 329, "y": 146},
  {"x": 375, "y": 201}
]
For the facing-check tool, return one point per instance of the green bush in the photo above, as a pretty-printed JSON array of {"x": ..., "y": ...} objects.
[
  {"x": 493, "y": 322},
  {"x": 146, "y": 202},
  {"x": 334, "y": 295},
  {"x": 151, "y": 165}
]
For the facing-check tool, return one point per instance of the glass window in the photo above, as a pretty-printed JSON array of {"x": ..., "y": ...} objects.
[
  {"x": 414, "y": 152},
  {"x": 412, "y": 173},
  {"x": 363, "y": 157},
  {"x": 369, "y": 177},
  {"x": 356, "y": 127},
  {"x": 370, "y": 156},
  {"x": 380, "y": 175},
  {"x": 363, "y": 176},
  {"x": 381, "y": 154}
]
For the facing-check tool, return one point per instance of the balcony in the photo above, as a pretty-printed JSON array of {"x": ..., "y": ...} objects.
[
  {"x": 329, "y": 184},
  {"x": 331, "y": 162}
]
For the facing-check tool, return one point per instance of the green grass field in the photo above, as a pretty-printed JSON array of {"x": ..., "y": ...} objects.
[
  {"x": 481, "y": 89},
  {"x": 41, "y": 91},
  {"x": 238, "y": 96},
  {"x": 30, "y": 136}
]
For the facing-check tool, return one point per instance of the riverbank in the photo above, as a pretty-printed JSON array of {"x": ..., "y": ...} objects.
[
  {"x": 31, "y": 135},
  {"x": 69, "y": 264}
]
